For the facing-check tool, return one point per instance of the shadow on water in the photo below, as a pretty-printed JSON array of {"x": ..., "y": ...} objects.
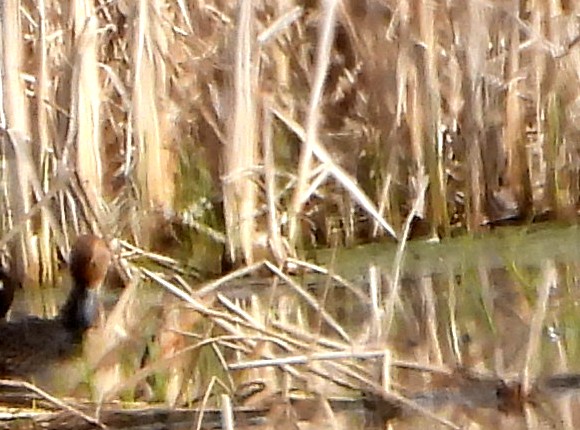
[{"x": 482, "y": 332}]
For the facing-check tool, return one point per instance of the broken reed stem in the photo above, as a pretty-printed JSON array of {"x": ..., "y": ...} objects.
[
  {"x": 389, "y": 304},
  {"x": 343, "y": 177},
  {"x": 549, "y": 281},
  {"x": 326, "y": 36},
  {"x": 54, "y": 400},
  {"x": 227, "y": 412}
]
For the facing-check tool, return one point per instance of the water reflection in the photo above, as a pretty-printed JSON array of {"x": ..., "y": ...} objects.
[
  {"x": 508, "y": 334},
  {"x": 487, "y": 338}
]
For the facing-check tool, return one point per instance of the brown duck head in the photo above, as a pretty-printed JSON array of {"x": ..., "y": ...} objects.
[{"x": 89, "y": 262}]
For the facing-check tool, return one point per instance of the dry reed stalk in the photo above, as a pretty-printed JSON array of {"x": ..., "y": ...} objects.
[
  {"x": 375, "y": 289},
  {"x": 549, "y": 281},
  {"x": 148, "y": 121},
  {"x": 453, "y": 327},
  {"x": 384, "y": 202},
  {"x": 489, "y": 308},
  {"x": 103, "y": 350},
  {"x": 348, "y": 353},
  {"x": 386, "y": 374},
  {"x": 517, "y": 179},
  {"x": 352, "y": 287},
  {"x": 86, "y": 103},
  {"x": 414, "y": 109},
  {"x": 239, "y": 188},
  {"x": 549, "y": 151},
  {"x": 228, "y": 421},
  {"x": 431, "y": 322},
  {"x": 564, "y": 406},
  {"x": 44, "y": 136},
  {"x": 16, "y": 111},
  {"x": 311, "y": 301},
  {"x": 532, "y": 418},
  {"x": 204, "y": 402},
  {"x": 258, "y": 316},
  {"x": 433, "y": 121},
  {"x": 326, "y": 35},
  {"x": 222, "y": 318},
  {"x": 54, "y": 400},
  {"x": 562, "y": 360},
  {"x": 477, "y": 41},
  {"x": 319, "y": 348},
  {"x": 338, "y": 172},
  {"x": 170, "y": 342},
  {"x": 539, "y": 82},
  {"x": 275, "y": 240},
  {"x": 563, "y": 165},
  {"x": 393, "y": 296},
  {"x": 403, "y": 62},
  {"x": 288, "y": 15}
]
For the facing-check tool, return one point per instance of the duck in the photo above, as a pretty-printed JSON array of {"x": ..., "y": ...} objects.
[
  {"x": 31, "y": 345},
  {"x": 7, "y": 287}
]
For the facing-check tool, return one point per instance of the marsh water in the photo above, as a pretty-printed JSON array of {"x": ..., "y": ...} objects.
[
  {"x": 470, "y": 332},
  {"x": 500, "y": 313}
]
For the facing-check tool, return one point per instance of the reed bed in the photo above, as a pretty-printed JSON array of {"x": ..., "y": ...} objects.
[{"x": 176, "y": 112}]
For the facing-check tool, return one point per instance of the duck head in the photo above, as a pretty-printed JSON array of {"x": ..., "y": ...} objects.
[{"x": 89, "y": 262}]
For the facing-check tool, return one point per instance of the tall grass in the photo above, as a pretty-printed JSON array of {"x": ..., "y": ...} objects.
[
  {"x": 263, "y": 128},
  {"x": 363, "y": 99}
]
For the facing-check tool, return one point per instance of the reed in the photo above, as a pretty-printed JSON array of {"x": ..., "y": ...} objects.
[
  {"x": 237, "y": 131},
  {"x": 481, "y": 99}
]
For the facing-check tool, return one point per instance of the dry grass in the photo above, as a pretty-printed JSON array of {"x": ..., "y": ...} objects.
[{"x": 481, "y": 100}]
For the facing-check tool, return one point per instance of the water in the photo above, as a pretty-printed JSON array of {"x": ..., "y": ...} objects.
[
  {"x": 496, "y": 312},
  {"x": 481, "y": 332}
]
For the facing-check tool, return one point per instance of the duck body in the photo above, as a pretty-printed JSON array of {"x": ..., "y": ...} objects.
[
  {"x": 32, "y": 345},
  {"x": 7, "y": 287}
]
